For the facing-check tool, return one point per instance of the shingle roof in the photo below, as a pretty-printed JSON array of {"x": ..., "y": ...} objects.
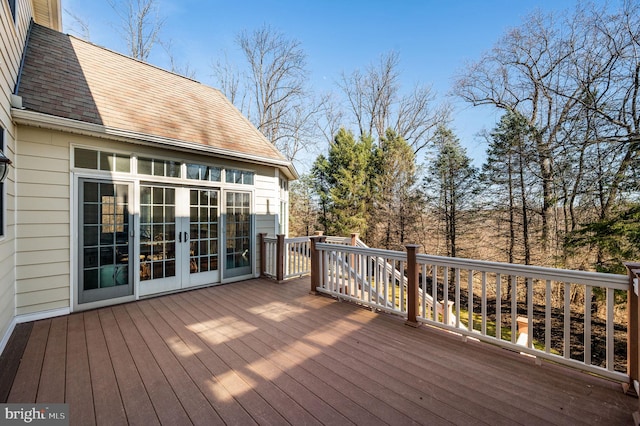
[{"x": 67, "y": 77}]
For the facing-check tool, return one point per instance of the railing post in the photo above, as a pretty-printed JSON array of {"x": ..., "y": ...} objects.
[
  {"x": 354, "y": 238},
  {"x": 280, "y": 255},
  {"x": 412, "y": 286},
  {"x": 633, "y": 333},
  {"x": 316, "y": 263},
  {"x": 263, "y": 253}
]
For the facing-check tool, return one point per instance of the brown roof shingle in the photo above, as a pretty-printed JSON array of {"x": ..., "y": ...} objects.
[{"x": 66, "y": 77}]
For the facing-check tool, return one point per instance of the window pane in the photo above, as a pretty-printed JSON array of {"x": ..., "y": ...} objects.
[
  {"x": 85, "y": 158},
  {"x": 123, "y": 164},
  {"x": 173, "y": 169},
  {"x": 144, "y": 166},
  {"x": 106, "y": 161},
  {"x": 214, "y": 174},
  {"x": 158, "y": 168}
]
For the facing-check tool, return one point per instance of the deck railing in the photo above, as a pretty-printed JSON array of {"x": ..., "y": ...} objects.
[
  {"x": 569, "y": 317},
  {"x": 565, "y": 316},
  {"x": 282, "y": 258}
]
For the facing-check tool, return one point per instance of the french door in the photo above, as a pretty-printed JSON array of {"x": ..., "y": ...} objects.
[
  {"x": 238, "y": 231},
  {"x": 179, "y": 240},
  {"x": 105, "y": 240}
]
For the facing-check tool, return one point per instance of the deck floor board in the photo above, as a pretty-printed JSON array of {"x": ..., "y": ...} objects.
[{"x": 258, "y": 352}]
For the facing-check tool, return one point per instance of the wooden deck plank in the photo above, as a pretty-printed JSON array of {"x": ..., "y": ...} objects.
[
  {"x": 11, "y": 356},
  {"x": 192, "y": 399},
  {"x": 165, "y": 402},
  {"x": 497, "y": 380},
  {"x": 25, "y": 385},
  {"x": 327, "y": 398},
  {"x": 52, "y": 378},
  {"x": 136, "y": 401},
  {"x": 446, "y": 375},
  {"x": 560, "y": 402},
  {"x": 225, "y": 376},
  {"x": 401, "y": 401},
  {"x": 362, "y": 407},
  {"x": 260, "y": 352},
  {"x": 290, "y": 399},
  {"x": 108, "y": 406},
  {"x": 220, "y": 399},
  {"x": 79, "y": 393}
]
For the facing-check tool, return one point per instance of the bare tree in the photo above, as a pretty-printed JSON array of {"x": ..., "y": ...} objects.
[
  {"x": 228, "y": 77},
  {"x": 273, "y": 91},
  {"x": 375, "y": 101},
  {"x": 184, "y": 70},
  {"x": 140, "y": 25},
  {"x": 83, "y": 31},
  {"x": 520, "y": 74}
]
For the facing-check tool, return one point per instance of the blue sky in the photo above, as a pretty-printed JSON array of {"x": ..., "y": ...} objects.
[{"x": 434, "y": 39}]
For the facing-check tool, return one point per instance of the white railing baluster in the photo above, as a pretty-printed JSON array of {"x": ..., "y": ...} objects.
[
  {"x": 514, "y": 308},
  {"x": 403, "y": 302},
  {"x": 457, "y": 305},
  {"x": 547, "y": 318},
  {"x": 423, "y": 280},
  {"x": 470, "y": 300},
  {"x": 445, "y": 296},
  {"x": 498, "y": 307},
  {"x": 530, "y": 312},
  {"x": 483, "y": 310},
  {"x": 434, "y": 292},
  {"x": 567, "y": 321},
  {"x": 610, "y": 330},
  {"x": 587, "y": 325}
]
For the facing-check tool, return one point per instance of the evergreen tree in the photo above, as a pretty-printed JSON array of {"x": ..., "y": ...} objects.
[
  {"x": 505, "y": 171},
  {"x": 452, "y": 183},
  {"x": 397, "y": 202}
]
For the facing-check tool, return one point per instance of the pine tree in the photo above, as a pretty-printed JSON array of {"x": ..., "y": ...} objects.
[{"x": 452, "y": 184}]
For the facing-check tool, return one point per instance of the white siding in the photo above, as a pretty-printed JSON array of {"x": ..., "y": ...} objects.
[
  {"x": 267, "y": 205},
  {"x": 43, "y": 228},
  {"x": 12, "y": 40}
]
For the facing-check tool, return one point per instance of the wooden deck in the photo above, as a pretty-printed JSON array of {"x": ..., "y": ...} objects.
[{"x": 268, "y": 353}]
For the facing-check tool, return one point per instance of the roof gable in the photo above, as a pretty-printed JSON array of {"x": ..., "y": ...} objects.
[{"x": 69, "y": 78}]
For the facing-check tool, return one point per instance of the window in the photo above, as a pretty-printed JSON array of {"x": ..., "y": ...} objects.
[
  {"x": 148, "y": 166},
  {"x": 200, "y": 172},
  {"x": 12, "y": 6},
  {"x": 101, "y": 160},
  {"x": 239, "y": 176}
]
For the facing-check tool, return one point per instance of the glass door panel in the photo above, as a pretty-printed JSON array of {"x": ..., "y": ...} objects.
[
  {"x": 104, "y": 241},
  {"x": 238, "y": 249},
  {"x": 158, "y": 254},
  {"x": 178, "y": 238},
  {"x": 203, "y": 236}
]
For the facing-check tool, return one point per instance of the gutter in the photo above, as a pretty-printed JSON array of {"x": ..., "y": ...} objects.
[{"x": 51, "y": 122}]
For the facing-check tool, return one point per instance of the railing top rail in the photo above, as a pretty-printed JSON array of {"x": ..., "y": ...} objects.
[
  {"x": 296, "y": 240},
  {"x": 337, "y": 240},
  {"x": 599, "y": 279},
  {"x": 389, "y": 254}
]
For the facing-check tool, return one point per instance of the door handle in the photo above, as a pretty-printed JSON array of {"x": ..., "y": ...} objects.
[
  {"x": 186, "y": 237},
  {"x": 179, "y": 237}
]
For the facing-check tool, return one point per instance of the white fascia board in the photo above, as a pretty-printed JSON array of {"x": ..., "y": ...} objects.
[{"x": 51, "y": 122}]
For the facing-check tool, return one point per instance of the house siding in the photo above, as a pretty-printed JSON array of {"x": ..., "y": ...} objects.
[
  {"x": 44, "y": 275},
  {"x": 42, "y": 248},
  {"x": 12, "y": 41}
]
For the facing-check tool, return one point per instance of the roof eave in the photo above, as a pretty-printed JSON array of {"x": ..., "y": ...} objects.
[
  {"x": 52, "y": 122},
  {"x": 48, "y": 13}
]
